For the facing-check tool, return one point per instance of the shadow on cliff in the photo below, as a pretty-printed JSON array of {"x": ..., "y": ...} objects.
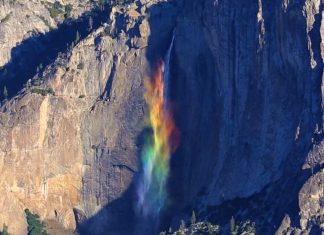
[
  {"x": 121, "y": 216},
  {"x": 32, "y": 55},
  {"x": 268, "y": 207}
]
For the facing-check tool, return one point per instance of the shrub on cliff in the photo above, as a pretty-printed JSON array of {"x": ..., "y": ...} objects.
[
  {"x": 35, "y": 225},
  {"x": 43, "y": 92},
  {"x": 4, "y": 230},
  {"x": 68, "y": 9},
  {"x": 55, "y": 9}
]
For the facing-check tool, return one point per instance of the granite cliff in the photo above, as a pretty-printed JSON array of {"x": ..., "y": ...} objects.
[{"x": 246, "y": 83}]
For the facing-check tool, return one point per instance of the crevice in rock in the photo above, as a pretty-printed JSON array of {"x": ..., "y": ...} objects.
[
  {"x": 315, "y": 38},
  {"x": 107, "y": 92}
]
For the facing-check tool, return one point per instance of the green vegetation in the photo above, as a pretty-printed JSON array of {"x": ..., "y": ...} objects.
[
  {"x": 55, "y": 9},
  {"x": 35, "y": 225},
  {"x": 6, "y": 18},
  {"x": 194, "y": 228},
  {"x": 81, "y": 96},
  {"x": 193, "y": 217},
  {"x": 68, "y": 9},
  {"x": 77, "y": 37},
  {"x": 44, "y": 20},
  {"x": 207, "y": 228},
  {"x": 43, "y": 92},
  {"x": 102, "y": 3},
  {"x": 4, "y": 230},
  {"x": 80, "y": 66},
  {"x": 119, "y": 2},
  {"x": 28, "y": 84},
  {"x": 233, "y": 227},
  {"x": 248, "y": 227},
  {"x": 12, "y": 2},
  {"x": 5, "y": 92},
  {"x": 39, "y": 68},
  {"x": 182, "y": 227}
]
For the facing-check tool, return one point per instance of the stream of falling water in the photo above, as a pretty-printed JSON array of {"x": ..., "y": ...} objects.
[{"x": 160, "y": 143}]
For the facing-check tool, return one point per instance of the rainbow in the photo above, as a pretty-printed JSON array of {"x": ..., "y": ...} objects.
[{"x": 158, "y": 147}]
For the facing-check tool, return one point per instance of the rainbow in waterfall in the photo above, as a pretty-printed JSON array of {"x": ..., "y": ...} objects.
[{"x": 159, "y": 144}]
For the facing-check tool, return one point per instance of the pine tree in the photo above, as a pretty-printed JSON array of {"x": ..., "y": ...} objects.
[
  {"x": 193, "y": 218},
  {"x": 182, "y": 227},
  {"x": 90, "y": 23},
  {"x": 233, "y": 226},
  {"x": 5, "y": 92},
  {"x": 39, "y": 68},
  {"x": 77, "y": 37}
]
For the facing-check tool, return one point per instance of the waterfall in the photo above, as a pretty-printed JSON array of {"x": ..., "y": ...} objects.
[
  {"x": 166, "y": 71},
  {"x": 159, "y": 144}
]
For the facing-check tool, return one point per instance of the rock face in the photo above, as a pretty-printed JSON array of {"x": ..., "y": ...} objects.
[
  {"x": 20, "y": 20},
  {"x": 254, "y": 89},
  {"x": 254, "y": 76},
  {"x": 311, "y": 198},
  {"x": 246, "y": 86},
  {"x": 66, "y": 150}
]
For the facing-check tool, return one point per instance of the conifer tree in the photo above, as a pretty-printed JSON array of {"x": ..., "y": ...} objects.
[
  {"x": 5, "y": 92},
  {"x": 193, "y": 218}
]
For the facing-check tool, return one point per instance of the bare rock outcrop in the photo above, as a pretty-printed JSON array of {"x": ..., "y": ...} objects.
[
  {"x": 20, "y": 20},
  {"x": 41, "y": 160},
  {"x": 311, "y": 200}
]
